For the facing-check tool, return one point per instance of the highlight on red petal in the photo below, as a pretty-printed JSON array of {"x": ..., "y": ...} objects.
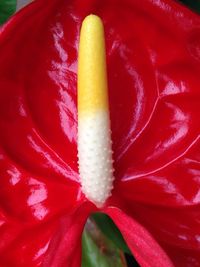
[
  {"x": 29, "y": 246},
  {"x": 55, "y": 243},
  {"x": 169, "y": 186},
  {"x": 31, "y": 198},
  {"x": 35, "y": 212},
  {"x": 142, "y": 244}
]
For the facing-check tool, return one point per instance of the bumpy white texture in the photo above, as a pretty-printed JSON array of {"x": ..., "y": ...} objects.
[{"x": 95, "y": 156}]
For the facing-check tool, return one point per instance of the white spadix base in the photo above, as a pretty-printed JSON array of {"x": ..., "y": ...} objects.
[{"x": 95, "y": 156}]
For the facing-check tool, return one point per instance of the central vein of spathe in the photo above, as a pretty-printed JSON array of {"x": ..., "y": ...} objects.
[{"x": 94, "y": 134}]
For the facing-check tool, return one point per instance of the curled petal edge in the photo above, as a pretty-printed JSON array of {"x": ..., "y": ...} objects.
[{"x": 143, "y": 246}]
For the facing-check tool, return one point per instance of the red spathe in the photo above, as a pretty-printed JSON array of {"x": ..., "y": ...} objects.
[{"x": 153, "y": 59}]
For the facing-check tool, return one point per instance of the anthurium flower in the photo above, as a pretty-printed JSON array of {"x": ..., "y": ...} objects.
[{"x": 153, "y": 66}]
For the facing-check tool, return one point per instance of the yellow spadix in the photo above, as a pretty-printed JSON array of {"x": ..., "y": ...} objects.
[
  {"x": 92, "y": 75},
  {"x": 94, "y": 134}
]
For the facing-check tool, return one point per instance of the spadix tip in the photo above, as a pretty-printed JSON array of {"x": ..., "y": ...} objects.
[{"x": 92, "y": 73}]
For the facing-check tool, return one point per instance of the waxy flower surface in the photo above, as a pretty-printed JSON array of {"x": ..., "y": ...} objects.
[{"x": 153, "y": 65}]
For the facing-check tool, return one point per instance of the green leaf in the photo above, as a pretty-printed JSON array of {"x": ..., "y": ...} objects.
[
  {"x": 98, "y": 251},
  {"x": 95, "y": 256},
  {"x": 7, "y": 8},
  {"x": 91, "y": 254},
  {"x": 110, "y": 230},
  {"x": 193, "y": 4}
]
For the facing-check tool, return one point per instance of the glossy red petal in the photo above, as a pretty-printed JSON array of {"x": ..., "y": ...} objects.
[
  {"x": 158, "y": 175},
  {"x": 153, "y": 71},
  {"x": 142, "y": 244},
  {"x": 138, "y": 66},
  {"x": 53, "y": 244},
  {"x": 38, "y": 98},
  {"x": 28, "y": 247},
  {"x": 176, "y": 184},
  {"x": 38, "y": 151},
  {"x": 183, "y": 257},
  {"x": 65, "y": 246},
  {"x": 31, "y": 198},
  {"x": 171, "y": 128},
  {"x": 176, "y": 229},
  {"x": 36, "y": 213}
]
